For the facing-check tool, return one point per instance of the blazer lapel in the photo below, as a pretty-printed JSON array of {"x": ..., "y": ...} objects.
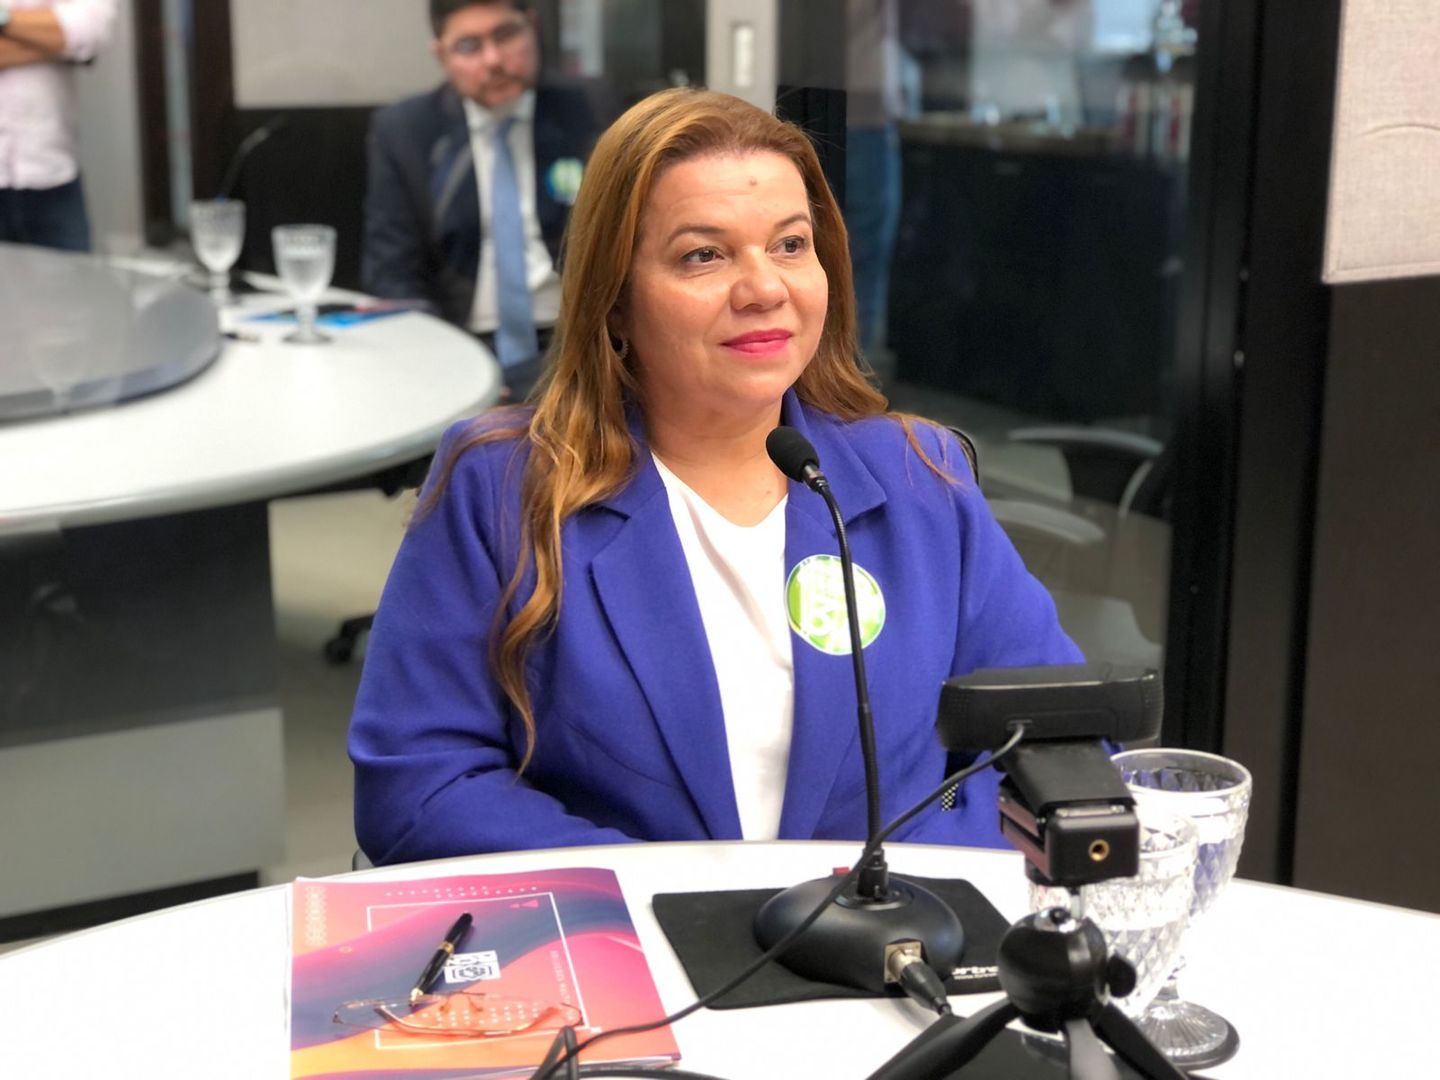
[
  {"x": 455, "y": 199},
  {"x": 826, "y": 728},
  {"x": 643, "y": 582},
  {"x": 449, "y": 157}
]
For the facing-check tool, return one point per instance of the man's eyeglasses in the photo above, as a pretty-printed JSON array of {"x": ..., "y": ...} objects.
[
  {"x": 464, "y": 1014},
  {"x": 506, "y": 36}
]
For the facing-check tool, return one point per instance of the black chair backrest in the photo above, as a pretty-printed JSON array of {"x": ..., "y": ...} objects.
[{"x": 968, "y": 445}]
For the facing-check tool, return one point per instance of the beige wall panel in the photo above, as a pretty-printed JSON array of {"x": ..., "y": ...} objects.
[
  {"x": 296, "y": 53},
  {"x": 1385, "y": 174}
]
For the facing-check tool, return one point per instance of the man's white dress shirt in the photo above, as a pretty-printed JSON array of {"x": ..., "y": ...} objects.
[
  {"x": 540, "y": 267},
  {"x": 37, "y": 101}
]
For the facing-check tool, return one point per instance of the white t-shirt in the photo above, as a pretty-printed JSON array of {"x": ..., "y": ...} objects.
[
  {"x": 539, "y": 266},
  {"x": 739, "y": 577}
]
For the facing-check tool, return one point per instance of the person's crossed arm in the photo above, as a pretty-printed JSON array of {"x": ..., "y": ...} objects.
[
  {"x": 14, "y": 54},
  {"x": 66, "y": 30}
]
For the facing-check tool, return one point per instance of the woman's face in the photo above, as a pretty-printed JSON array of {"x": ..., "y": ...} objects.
[{"x": 726, "y": 298}]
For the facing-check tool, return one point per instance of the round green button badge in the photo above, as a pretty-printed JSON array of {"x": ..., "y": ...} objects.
[{"x": 815, "y": 599}]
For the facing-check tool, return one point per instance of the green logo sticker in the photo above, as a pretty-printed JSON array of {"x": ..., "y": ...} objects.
[
  {"x": 815, "y": 599},
  {"x": 563, "y": 180}
]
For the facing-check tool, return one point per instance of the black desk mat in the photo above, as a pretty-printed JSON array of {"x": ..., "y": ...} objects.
[{"x": 712, "y": 933}]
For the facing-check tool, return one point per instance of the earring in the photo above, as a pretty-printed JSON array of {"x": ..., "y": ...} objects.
[{"x": 624, "y": 349}]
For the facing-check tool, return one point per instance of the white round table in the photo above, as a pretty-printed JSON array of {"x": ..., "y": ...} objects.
[
  {"x": 265, "y": 419},
  {"x": 144, "y": 744},
  {"x": 200, "y": 990}
]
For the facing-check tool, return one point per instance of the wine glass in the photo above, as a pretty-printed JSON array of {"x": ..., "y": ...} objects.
[
  {"x": 305, "y": 259},
  {"x": 1143, "y": 917},
  {"x": 217, "y": 232},
  {"x": 1214, "y": 794}
]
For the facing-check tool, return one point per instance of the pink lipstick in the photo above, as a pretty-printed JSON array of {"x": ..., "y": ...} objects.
[{"x": 760, "y": 342}]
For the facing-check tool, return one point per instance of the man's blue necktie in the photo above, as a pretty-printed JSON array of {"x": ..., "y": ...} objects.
[{"x": 515, "y": 340}]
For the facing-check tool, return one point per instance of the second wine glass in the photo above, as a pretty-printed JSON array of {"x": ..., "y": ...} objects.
[
  {"x": 305, "y": 261},
  {"x": 217, "y": 233}
]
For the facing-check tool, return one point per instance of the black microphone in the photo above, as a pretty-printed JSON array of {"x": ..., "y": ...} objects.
[
  {"x": 794, "y": 456},
  {"x": 246, "y": 148},
  {"x": 866, "y": 934}
]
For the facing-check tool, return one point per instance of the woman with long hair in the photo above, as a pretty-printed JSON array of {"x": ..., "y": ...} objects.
[{"x": 613, "y": 617}]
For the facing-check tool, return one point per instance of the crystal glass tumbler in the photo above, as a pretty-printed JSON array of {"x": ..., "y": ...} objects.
[
  {"x": 1214, "y": 794},
  {"x": 305, "y": 260},
  {"x": 217, "y": 232}
]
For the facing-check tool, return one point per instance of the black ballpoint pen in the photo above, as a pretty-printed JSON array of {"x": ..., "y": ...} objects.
[{"x": 443, "y": 952}]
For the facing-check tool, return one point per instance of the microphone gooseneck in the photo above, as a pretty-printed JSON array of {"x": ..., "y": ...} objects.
[
  {"x": 793, "y": 455},
  {"x": 855, "y": 941},
  {"x": 243, "y": 152}
]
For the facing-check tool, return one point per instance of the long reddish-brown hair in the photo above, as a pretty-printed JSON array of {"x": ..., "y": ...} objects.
[{"x": 580, "y": 448}]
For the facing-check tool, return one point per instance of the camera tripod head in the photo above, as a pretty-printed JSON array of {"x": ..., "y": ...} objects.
[
  {"x": 1055, "y": 967},
  {"x": 1057, "y": 975}
]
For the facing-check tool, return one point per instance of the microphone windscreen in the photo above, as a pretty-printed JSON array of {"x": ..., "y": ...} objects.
[{"x": 791, "y": 452}]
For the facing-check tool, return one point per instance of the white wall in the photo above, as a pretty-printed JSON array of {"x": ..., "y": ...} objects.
[
  {"x": 329, "y": 52},
  {"x": 1025, "y": 54},
  {"x": 109, "y": 112},
  {"x": 752, "y": 76},
  {"x": 582, "y": 35}
]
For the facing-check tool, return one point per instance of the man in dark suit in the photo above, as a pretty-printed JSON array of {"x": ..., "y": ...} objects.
[{"x": 470, "y": 185}]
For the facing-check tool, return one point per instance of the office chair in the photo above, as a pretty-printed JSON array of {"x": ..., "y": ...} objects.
[
  {"x": 1124, "y": 470},
  {"x": 967, "y": 444},
  {"x": 392, "y": 481},
  {"x": 1103, "y": 551}
]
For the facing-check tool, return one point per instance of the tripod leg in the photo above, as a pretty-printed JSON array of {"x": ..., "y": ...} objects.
[
  {"x": 947, "y": 1044},
  {"x": 1130, "y": 1043},
  {"x": 1088, "y": 1059}
]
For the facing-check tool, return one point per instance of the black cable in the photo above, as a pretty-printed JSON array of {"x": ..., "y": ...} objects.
[
  {"x": 557, "y": 1046},
  {"x": 547, "y": 1067},
  {"x": 950, "y": 781},
  {"x": 925, "y": 987},
  {"x": 572, "y": 1053}
]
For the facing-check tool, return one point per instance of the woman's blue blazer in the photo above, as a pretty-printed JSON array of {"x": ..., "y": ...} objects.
[{"x": 631, "y": 737}]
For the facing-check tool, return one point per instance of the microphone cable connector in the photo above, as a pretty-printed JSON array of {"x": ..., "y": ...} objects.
[{"x": 905, "y": 966}]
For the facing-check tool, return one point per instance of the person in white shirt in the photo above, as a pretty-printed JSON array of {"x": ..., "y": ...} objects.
[
  {"x": 41, "y": 42},
  {"x": 470, "y": 185}
]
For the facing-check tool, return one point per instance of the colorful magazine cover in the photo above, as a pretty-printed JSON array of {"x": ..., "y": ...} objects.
[{"x": 543, "y": 949}]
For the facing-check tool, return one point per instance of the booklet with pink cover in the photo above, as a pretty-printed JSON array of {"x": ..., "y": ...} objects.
[{"x": 545, "y": 949}]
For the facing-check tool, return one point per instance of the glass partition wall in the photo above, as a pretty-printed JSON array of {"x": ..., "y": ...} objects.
[
  {"x": 1014, "y": 179},
  {"x": 1015, "y": 186}
]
